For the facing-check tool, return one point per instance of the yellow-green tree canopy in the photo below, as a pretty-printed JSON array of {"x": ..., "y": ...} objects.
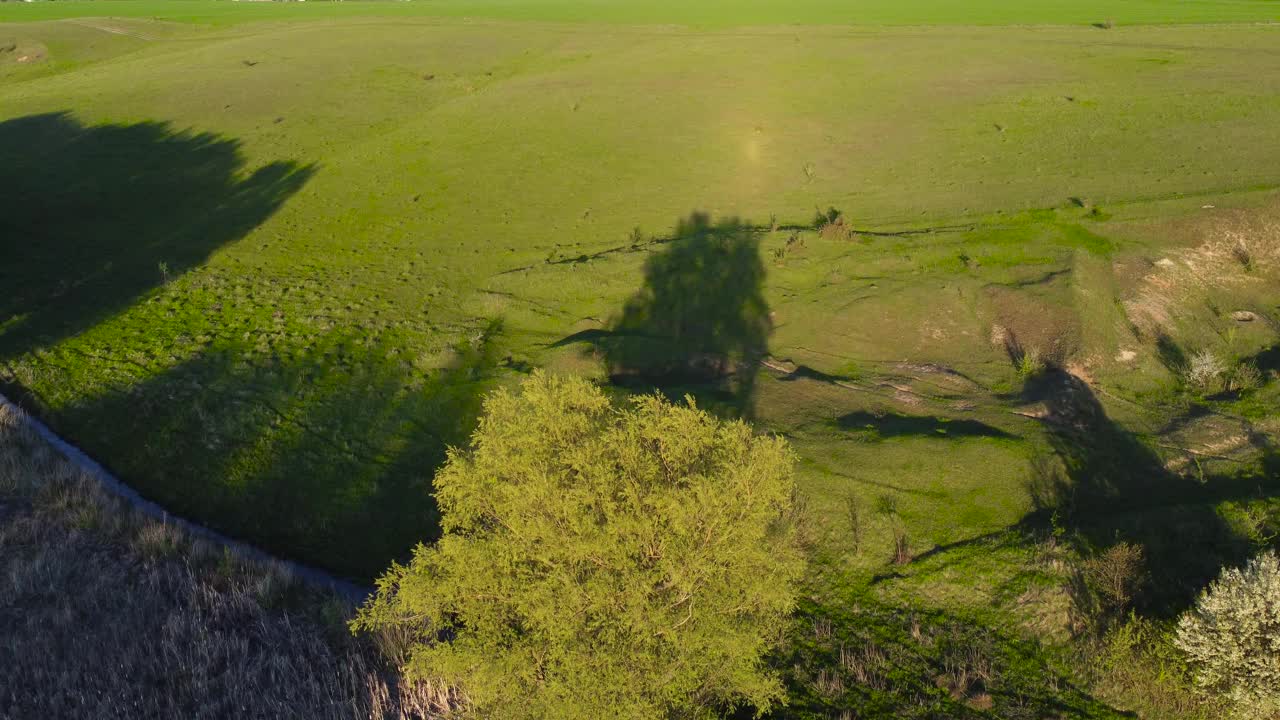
[{"x": 602, "y": 562}]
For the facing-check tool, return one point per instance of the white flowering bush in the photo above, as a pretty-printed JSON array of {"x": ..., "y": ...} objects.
[
  {"x": 1205, "y": 371},
  {"x": 1232, "y": 638}
]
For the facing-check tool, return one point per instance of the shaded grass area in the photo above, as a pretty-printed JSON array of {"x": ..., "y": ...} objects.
[
  {"x": 1100, "y": 496},
  {"x": 318, "y": 414},
  {"x": 863, "y": 658},
  {"x": 107, "y": 613},
  {"x": 699, "y": 317},
  {"x": 302, "y": 434},
  {"x": 889, "y": 425},
  {"x": 306, "y": 458},
  {"x": 91, "y": 218},
  {"x": 886, "y": 651},
  {"x": 301, "y": 452},
  {"x": 1113, "y": 488}
]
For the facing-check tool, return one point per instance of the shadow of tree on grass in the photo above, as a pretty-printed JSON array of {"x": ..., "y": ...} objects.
[
  {"x": 890, "y": 425},
  {"x": 327, "y": 458},
  {"x": 700, "y": 320},
  {"x": 1110, "y": 487},
  {"x": 1268, "y": 359},
  {"x": 93, "y": 217}
]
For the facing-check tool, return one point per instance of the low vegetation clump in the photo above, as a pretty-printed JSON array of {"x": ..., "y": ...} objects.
[
  {"x": 862, "y": 659},
  {"x": 1205, "y": 371},
  {"x": 1232, "y": 637},
  {"x": 1137, "y": 662},
  {"x": 1244, "y": 377},
  {"x": 1114, "y": 578},
  {"x": 833, "y": 225},
  {"x": 1240, "y": 251},
  {"x": 1029, "y": 364},
  {"x": 602, "y": 562}
]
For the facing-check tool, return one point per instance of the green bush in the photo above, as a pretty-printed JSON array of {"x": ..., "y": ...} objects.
[
  {"x": 1232, "y": 637},
  {"x": 1244, "y": 377},
  {"x": 1029, "y": 364},
  {"x": 602, "y": 562},
  {"x": 1137, "y": 667}
]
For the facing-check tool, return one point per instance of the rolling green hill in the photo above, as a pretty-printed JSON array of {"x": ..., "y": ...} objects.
[{"x": 265, "y": 269}]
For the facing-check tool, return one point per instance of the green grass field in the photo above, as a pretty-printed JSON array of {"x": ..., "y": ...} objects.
[
  {"x": 265, "y": 260},
  {"x": 704, "y": 13}
]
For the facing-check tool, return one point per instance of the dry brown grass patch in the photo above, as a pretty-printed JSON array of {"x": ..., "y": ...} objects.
[
  {"x": 1239, "y": 251},
  {"x": 108, "y": 613},
  {"x": 1034, "y": 325}
]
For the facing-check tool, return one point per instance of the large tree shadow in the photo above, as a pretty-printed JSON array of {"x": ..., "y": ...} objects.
[
  {"x": 884, "y": 425},
  {"x": 1110, "y": 487},
  {"x": 92, "y": 217},
  {"x": 699, "y": 322},
  {"x": 326, "y": 458}
]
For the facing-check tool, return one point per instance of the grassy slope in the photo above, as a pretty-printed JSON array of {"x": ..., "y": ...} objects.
[
  {"x": 315, "y": 337},
  {"x": 108, "y": 613}
]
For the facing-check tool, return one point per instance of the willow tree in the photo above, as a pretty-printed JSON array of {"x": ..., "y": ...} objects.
[{"x": 602, "y": 561}]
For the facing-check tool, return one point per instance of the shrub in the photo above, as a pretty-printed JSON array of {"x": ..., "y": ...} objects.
[
  {"x": 886, "y": 505},
  {"x": 901, "y": 546},
  {"x": 1244, "y": 377},
  {"x": 833, "y": 225},
  {"x": 1116, "y": 575},
  {"x": 853, "y": 511},
  {"x": 795, "y": 243},
  {"x": 1029, "y": 364},
  {"x": 1137, "y": 665},
  {"x": 1240, "y": 251},
  {"x": 1232, "y": 637},
  {"x": 822, "y": 218},
  {"x": 1205, "y": 371},
  {"x": 602, "y": 562}
]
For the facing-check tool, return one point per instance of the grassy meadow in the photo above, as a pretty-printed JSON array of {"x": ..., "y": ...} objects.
[
  {"x": 264, "y": 262},
  {"x": 704, "y": 13}
]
